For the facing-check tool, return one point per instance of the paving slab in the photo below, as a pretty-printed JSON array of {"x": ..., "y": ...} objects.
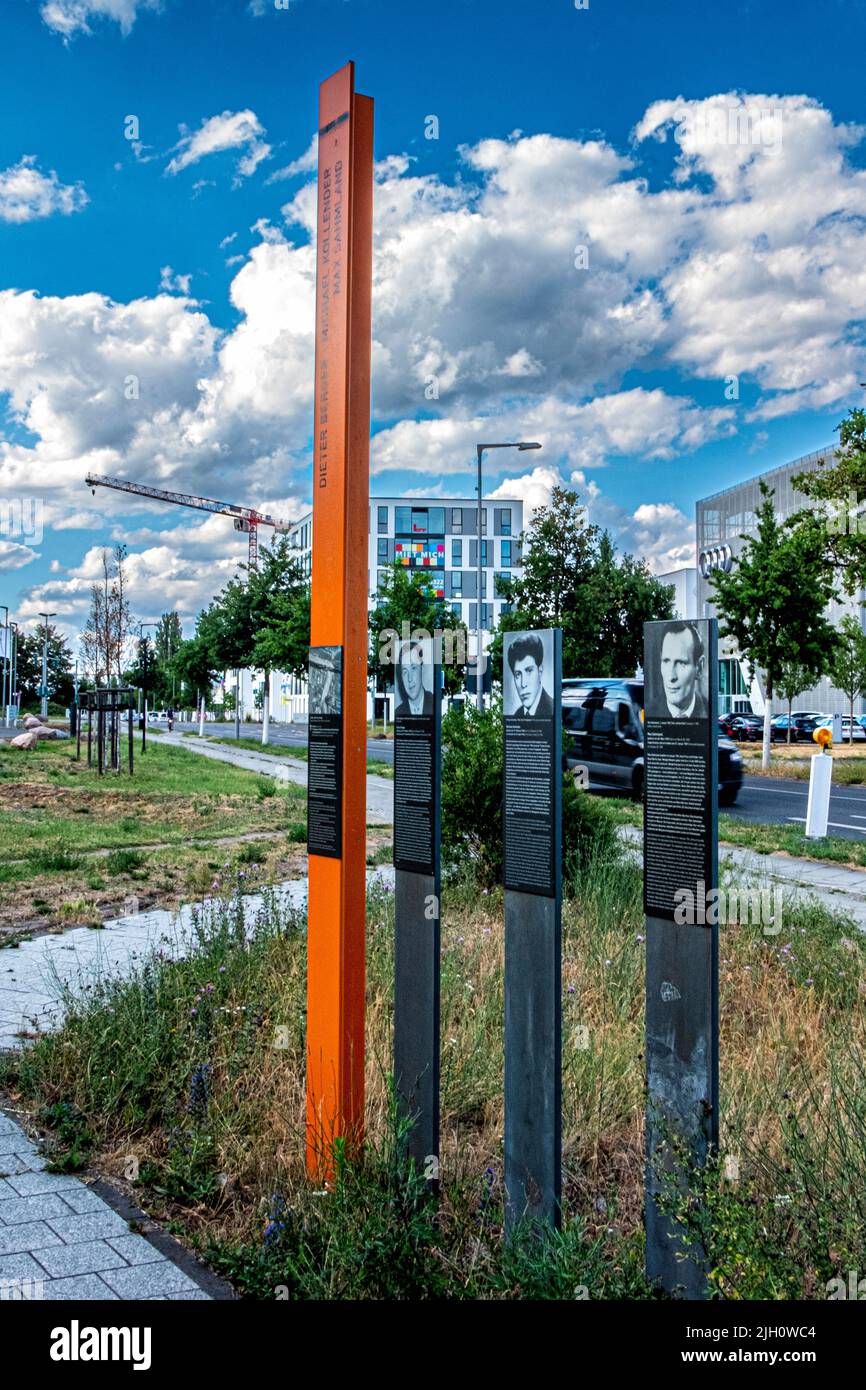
[{"x": 62, "y": 1236}]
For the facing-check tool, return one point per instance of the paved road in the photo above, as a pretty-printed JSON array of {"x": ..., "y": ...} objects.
[{"x": 777, "y": 800}]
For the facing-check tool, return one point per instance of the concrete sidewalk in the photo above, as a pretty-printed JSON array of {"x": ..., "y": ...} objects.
[
  {"x": 61, "y": 1240},
  {"x": 380, "y": 790}
]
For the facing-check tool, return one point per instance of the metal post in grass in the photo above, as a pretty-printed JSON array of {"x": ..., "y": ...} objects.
[
  {"x": 100, "y": 734},
  {"x": 89, "y": 698},
  {"x": 417, "y": 803},
  {"x": 532, "y": 832},
  {"x": 130, "y": 735},
  {"x": 682, "y": 990}
]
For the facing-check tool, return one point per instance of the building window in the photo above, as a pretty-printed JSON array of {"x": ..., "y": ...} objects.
[
  {"x": 483, "y": 521},
  {"x": 383, "y": 520},
  {"x": 502, "y": 578},
  {"x": 457, "y": 610},
  {"x": 457, "y": 553},
  {"x": 382, "y": 550},
  {"x": 456, "y": 519},
  {"x": 403, "y": 521},
  {"x": 419, "y": 522},
  {"x": 505, "y": 521},
  {"x": 457, "y": 584},
  {"x": 483, "y": 554},
  {"x": 506, "y": 554},
  {"x": 436, "y": 521}
]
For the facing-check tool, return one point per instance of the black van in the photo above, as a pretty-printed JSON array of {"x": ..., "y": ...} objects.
[{"x": 602, "y": 730}]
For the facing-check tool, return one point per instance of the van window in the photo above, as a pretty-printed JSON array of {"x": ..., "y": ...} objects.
[
  {"x": 604, "y": 719},
  {"x": 575, "y": 718}
]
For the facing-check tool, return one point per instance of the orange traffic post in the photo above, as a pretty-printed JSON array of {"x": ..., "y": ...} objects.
[{"x": 341, "y": 472}]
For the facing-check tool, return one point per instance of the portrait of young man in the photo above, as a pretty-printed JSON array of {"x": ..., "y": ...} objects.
[
  {"x": 414, "y": 698},
  {"x": 526, "y": 661},
  {"x": 681, "y": 675}
]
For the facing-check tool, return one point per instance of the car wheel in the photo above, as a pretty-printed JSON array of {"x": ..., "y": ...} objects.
[
  {"x": 728, "y": 795},
  {"x": 637, "y": 784}
]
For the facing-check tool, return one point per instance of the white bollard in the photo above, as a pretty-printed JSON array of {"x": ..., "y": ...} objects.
[{"x": 818, "y": 808}]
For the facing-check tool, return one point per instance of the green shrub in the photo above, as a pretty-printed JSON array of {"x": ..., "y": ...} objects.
[
  {"x": 54, "y": 859},
  {"x": 123, "y": 861},
  {"x": 472, "y": 771}
]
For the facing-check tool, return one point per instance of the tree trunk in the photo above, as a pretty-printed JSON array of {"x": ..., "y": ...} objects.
[
  {"x": 266, "y": 707},
  {"x": 790, "y": 703},
  {"x": 765, "y": 752},
  {"x": 201, "y": 719},
  {"x": 851, "y": 725}
]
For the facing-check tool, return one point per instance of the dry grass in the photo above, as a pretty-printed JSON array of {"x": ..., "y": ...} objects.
[{"x": 789, "y": 1006}]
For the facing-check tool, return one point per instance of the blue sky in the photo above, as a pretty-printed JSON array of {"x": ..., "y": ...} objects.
[{"x": 608, "y": 128}]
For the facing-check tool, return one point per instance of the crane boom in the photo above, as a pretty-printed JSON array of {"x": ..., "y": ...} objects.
[{"x": 245, "y": 518}]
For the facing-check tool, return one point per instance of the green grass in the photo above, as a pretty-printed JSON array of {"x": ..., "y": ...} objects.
[
  {"x": 196, "y": 1068},
  {"x": 377, "y": 767},
  {"x": 847, "y": 772},
  {"x": 173, "y": 796},
  {"x": 764, "y": 839},
  {"x": 255, "y": 745}
]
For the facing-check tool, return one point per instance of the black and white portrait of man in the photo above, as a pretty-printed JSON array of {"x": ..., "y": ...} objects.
[
  {"x": 676, "y": 674},
  {"x": 529, "y": 663},
  {"x": 413, "y": 675}
]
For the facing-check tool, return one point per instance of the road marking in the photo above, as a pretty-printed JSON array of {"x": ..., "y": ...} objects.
[
  {"x": 804, "y": 791},
  {"x": 836, "y": 824}
]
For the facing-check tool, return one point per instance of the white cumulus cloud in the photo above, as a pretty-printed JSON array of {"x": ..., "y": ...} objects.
[
  {"x": 27, "y": 194},
  {"x": 71, "y": 17},
  {"x": 232, "y": 130}
]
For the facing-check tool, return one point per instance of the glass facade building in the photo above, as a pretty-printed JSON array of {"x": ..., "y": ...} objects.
[{"x": 721, "y": 522}]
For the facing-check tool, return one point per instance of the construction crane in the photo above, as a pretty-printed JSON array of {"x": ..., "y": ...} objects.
[{"x": 245, "y": 518}]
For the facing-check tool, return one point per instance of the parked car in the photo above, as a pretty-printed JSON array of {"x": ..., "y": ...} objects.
[
  {"x": 803, "y": 722},
  {"x": 747, "y": 728},
  {"x": 603, "y": 731}
]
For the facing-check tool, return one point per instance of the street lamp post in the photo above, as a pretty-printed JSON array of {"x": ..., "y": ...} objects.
[
  {"x": 480, "y": 448},
  {"x": 6, "y": 661},
  {"x": 44, "y": 705},
  {"x": 13, "y": 682}
]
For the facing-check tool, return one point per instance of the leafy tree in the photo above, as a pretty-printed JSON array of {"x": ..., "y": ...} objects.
[
  {"x": 196, "y": 668},
  {"x": 573, "y": 579},
  {"x": 403, "y": 597},
  {"x": 793, "y": 680},
  {"x": 773, "y": 603},
  {"x": 167, "y": 641},
  {"x": 836, "y": 527},
  {"x": 848, "y": 670},
  {"x": 29, "y": 666},
  {"x": 260, "y": 620},
  {"x": 472, "y": 833}
]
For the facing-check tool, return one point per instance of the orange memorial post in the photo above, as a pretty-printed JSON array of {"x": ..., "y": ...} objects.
[{"x": 338, "y": 620}]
